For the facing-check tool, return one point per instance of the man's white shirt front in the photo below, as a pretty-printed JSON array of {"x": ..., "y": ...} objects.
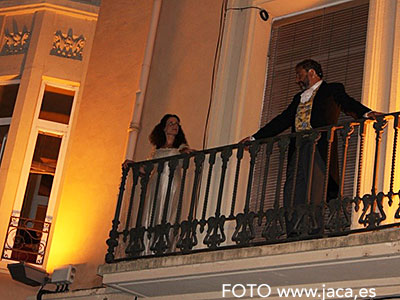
[{"x": 306, "y": 95}]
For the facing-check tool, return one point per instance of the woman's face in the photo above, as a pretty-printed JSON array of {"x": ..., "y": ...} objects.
[{"x": 172, "y": 126}]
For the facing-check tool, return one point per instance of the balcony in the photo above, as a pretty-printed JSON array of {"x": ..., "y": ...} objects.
[
  {"x": 26, "y": 240},
  {"x": 192, "y": 222}
]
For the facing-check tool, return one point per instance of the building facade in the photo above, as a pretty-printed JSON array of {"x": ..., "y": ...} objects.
[
  {"x": 83, "y": 84},
  {"x": 46, "y": 47}
]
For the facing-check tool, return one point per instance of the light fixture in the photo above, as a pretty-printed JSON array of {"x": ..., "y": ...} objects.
[
  {"x": 28, "y": 274},
  {"x": 34, "y": 276}
]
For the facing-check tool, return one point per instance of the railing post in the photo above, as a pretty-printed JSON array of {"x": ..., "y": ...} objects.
[
  {"x": 185, "y": 166},
  {"x": 215, "y": 232},
  {"x": 112, "y": 242},
  {"x": 338, "y": 206},
  {"x": 329, "y": 138},
  {"x": 244, "y": 231},
  {"x": 373, "y": 219},
  {"x": 161, "y": 241},
  {"x": 239, "y": 156},
  {"x": 188, "y": 237},
  {"x": 268, "y": 153},
  {"x": 136, "y": 235},
  {"x": 306, "y": 219},
  {"x": 362, "y": 133},
  {"x": 274, "y": 227},
  {"x": 136, "y": 173},
  {"x": 396, "y": 126},
  {"x": 160, "y": 169},
  {"x": 211, "y": 163}
]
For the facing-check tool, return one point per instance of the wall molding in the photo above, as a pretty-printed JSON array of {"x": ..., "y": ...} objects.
[
  {"x": 15, "y": 42},
  {"x": 68, "y": 45}
]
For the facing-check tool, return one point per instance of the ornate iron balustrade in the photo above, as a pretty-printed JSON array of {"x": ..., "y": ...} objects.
[
  {"x": 26, "y": 240},
  {"x": 228, "y": 196}
]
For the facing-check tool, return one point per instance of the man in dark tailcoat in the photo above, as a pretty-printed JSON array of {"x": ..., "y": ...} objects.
[{"x": 318, "y": 104}]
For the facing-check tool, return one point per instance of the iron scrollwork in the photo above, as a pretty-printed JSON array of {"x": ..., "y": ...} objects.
[
  {"x": 188, "y": 236},
  {"x": 215, "y": 232},
  {"x": 211, "y": 191},
  {"x": 26, "y": 240}
]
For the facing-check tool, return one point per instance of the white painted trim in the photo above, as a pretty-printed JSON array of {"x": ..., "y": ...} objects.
[
  {"x": 5, "y": 121},
  {"x": 52, "y": 128}
]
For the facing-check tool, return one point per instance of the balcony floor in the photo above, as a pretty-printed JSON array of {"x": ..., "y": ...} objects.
[{"x": 361, "y": 260}]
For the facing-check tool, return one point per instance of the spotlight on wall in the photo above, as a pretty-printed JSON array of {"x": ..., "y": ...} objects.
[
  {"x": 264, "y": 14},
  {"x": 28, "y": 274},
  {"x": 35, "y": 276}
]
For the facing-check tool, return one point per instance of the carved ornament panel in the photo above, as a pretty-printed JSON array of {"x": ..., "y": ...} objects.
[
  {"x": 68, "y": 45},
  {"x": 16, "y": 42}
]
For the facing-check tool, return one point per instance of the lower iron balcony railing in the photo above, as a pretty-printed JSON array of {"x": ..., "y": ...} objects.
[
  {"x": 235, "y": 196},
  {"x": 26, "y": 240}
]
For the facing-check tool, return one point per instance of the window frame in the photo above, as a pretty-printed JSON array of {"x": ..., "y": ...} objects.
[
  {"x": 46, "y": 127},
  {"x": 7, "y": 121}
]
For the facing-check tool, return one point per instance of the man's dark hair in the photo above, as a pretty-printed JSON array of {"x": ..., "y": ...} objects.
[
  {"x": 309, "y": 64},
  {"x": 158, "y": 138}
]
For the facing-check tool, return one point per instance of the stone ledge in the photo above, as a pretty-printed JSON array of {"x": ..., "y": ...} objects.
[
  {"x": 357, "y": 239},
  {"x": 88, "y": 294}
]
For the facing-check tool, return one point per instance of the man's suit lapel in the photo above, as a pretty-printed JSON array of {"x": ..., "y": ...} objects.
[
  {"x": 321, "y": 94},
  {"x": 319, "y": 104}
]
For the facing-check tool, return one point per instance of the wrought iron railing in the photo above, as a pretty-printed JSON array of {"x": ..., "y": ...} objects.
[
  {"x": 26, "y": 240},
  {"x": 233, "y": 195}
]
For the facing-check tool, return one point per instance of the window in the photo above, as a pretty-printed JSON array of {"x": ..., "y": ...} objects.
[
  {"x": 34, "y": 207},
  {"x": 334, "y": 36},
  {"x": 56, "y": 105},
  {"x": 8, "y": 95}
]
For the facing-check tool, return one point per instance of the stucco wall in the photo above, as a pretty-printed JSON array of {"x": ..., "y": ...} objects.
[
  {"x": 98, "y": 138},
  {"x": 14, "y": 290},
  {"x": 180, "y": 75}
]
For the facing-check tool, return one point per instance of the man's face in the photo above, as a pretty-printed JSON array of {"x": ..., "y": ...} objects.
[{"x": 303, "y": 78}]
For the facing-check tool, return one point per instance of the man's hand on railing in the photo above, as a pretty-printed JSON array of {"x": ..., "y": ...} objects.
[
  {"x": 246, "y": 140},
  {"x": 374, "y": 114}
]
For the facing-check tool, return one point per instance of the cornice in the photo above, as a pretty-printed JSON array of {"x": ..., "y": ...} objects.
[{"x": 81, "y": 11}]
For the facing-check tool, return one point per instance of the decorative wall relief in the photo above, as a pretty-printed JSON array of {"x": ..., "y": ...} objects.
[
  {"x": 15, "y": 42},
  {"x": 68, "y": 45}
]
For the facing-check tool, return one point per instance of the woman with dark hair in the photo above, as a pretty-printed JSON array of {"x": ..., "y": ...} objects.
[
  {"x": 168, "y": 139},
  {"x": 168, "y": 134}
]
